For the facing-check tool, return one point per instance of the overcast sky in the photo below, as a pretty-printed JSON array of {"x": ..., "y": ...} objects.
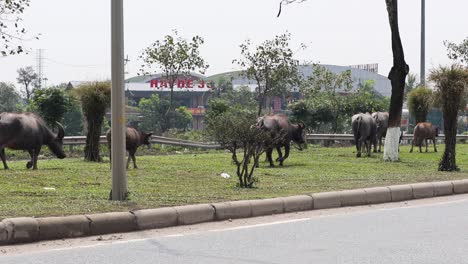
[{"x": 76, "y": 34}]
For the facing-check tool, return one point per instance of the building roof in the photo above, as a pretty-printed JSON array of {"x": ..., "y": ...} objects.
[{"x": 382, "y": 84}]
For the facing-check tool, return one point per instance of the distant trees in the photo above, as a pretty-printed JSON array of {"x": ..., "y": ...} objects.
[
  {"x": 410, "y": 83},
  {"x": 458, "y": 52},
  {"x": 153, "y": 110},
  {"x": 330, "y": 87},
  {"x": 419, "y": 103},
  {"x": 73, "y": 118},
  {"x": 9, "y": 98},
  {"x": 27, "y": 77},
  {"x": 11, "y": 31},
  {"x": 329, "y": 110},
  {"x": 223, "y": 85},
  {"x": 95, "y": 100},
  {"x": 182, "y": 118},
  {"x": 241, "y": 96},
  {"x": 367, "y": 99},
  {"x": 271, "y": 65},
  {"x": 174, "y": 57}
]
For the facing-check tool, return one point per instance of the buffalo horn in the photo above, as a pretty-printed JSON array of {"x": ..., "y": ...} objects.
[{"x": 61, "y": 131}]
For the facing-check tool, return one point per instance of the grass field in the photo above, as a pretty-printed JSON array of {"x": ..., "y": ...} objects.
[{"x": 166, "y": 180}]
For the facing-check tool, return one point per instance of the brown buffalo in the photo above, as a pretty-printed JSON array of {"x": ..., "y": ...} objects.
[
  {"x": 27, "y": 131},
  {"x": 133, "y": 139},
  {"x": 282, "y": 133},
  {"x": 422, "y": 132}
]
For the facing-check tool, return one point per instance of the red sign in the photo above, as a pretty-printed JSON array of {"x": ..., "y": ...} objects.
[
  {"x": 197, "y": 111},
  {"x": 180, "y": 83}
]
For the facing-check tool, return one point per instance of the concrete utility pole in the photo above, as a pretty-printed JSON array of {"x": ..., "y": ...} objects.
[
  {"x": 119, "y": 177},
  {"x": 423, "y": 42}
]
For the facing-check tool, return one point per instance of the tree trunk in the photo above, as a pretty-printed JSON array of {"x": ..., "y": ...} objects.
[
  {"x": 260, "y": 104},
  {"x": 397, "y": 77},
  {"x": 92, "y": 139},
  {"x": 448, "y": 162},
  {"x": 166, "y": 117}
]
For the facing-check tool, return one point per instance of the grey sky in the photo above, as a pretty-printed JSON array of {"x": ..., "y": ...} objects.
[{"x": 76, "y": 34}]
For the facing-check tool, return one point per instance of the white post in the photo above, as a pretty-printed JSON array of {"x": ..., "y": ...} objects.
[
  {"x": 392, "y": 140},
  {"x": 119, "y": 177}
]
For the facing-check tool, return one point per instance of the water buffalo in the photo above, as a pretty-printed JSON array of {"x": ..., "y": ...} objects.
[
  {"x": 282, "y": 133},
  {"x": 422, "y": 132},
  {"x": 381, "y": 122},
  {"x": 364, "y": 131},
  {"x": 27, "y": 131},
  {"x": 133, "y": 139}
]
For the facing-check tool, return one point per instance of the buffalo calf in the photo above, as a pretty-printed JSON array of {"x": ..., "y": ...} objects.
[
  {"x": 133, "y": 139},
  {"x": 422, "y": 132}
]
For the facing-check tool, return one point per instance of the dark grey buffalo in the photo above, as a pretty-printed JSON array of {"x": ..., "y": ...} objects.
[
  {"x": 133, "y": 139},
  {"x": 27, "y": 131},
  {"x": 422, "y": 132},
  {"x": 381, "y": 122},
  {"x": 282, "y": 133},
  {"x": 364, "y": 131}
]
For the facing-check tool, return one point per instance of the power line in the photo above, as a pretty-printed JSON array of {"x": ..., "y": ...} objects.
[{"x": 74, "y": 65}]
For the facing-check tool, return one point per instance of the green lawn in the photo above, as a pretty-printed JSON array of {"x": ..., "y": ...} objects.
[{"x": 177, "y": 179}]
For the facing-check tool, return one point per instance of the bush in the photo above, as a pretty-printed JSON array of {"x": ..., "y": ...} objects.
[
  {"x": 234, "y": 130},
  {"x": 419, "y": 103}
]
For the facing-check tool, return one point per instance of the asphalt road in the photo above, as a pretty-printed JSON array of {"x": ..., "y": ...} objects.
[{"x": 429, "y": 231}]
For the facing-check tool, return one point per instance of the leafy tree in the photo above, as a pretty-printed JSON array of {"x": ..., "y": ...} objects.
[
  {"x": 11, "y": 31},
  {"x": 27, "y": 77},
  {"x": 451, "y": 84},
  {"x": 241, "y": 96},
  {"x": 9, "y": 98},
  {"x": 223, "y": 85},
  {"x": 367, "y": 99},
  {"x": 332, "y": 87},
  {"x": 95, "y": 100},
  {"x": 174, "y": 57},
  {"x": 419, "y": 103},
  {"x": 216, "y": 106},
  {"x": 73, "y": 118},
  {"x": 316, "y": 112},
  {"x": 183, "y": 118},
  {"x": 51, "y": 104},
  {"x": 271, "y": 65},
  {"x": 458, "y": 52},
  {"x": 233, "y": 130},
  {"x": 152, "y": 111}
]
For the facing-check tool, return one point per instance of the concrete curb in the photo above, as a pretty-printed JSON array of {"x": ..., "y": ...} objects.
[{"x": 29, "y": 229}]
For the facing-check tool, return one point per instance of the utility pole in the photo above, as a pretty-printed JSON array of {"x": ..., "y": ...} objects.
[
  {"x": 119, "y": 177},
  {"x": 423, "y": 42},
  {"x": 39, "y": 66}
]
